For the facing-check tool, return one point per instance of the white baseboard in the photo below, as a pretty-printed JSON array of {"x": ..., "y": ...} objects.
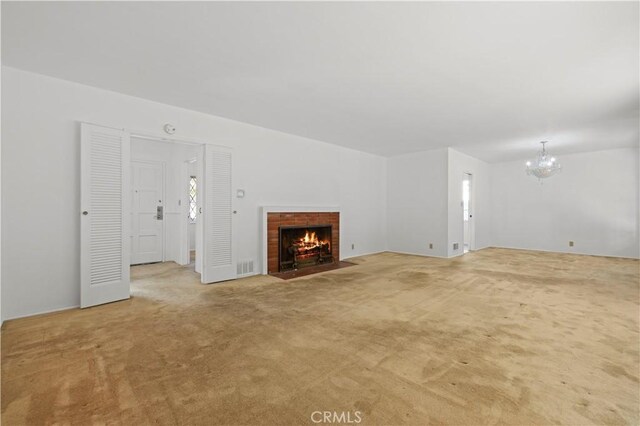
[
  {"x": 565, "y": 252},
  {"x": 364, "y": 254},
  {"x": 437, "y": 257},
  {"x": 41, "y": 313},
  {"x": 513, "y": 248},
  {"x": 417, "y": 254}
]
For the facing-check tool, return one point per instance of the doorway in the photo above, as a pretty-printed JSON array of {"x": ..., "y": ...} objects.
[
  {"x": 160, "y": 201},
  {"x": 106, "y": 215},
  {"x": 467, "y": 213}
]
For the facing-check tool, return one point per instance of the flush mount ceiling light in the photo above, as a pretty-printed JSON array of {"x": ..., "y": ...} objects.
[{"x": 544, "y": 165}]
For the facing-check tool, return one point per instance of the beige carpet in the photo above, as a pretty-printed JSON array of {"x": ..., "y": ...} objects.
[{"x": 494, "y": 337}]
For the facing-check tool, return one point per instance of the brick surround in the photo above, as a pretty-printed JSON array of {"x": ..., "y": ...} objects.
[{"x": 275, "y": 220}]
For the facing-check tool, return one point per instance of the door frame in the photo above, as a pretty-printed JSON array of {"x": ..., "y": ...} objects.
[
  {"x": 183, "y": 257},
  {"x": 163, "y": 164},
  {"x": 142, "y": 134},
  {"x": 472, "y": 240}
]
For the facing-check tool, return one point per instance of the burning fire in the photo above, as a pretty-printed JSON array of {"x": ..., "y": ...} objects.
[
  {"x": 310, "y": 238},
  {"x": 310, "y": 241}
]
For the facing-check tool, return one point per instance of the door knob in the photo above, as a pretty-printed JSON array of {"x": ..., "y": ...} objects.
[{"x": 85, "y": 212}]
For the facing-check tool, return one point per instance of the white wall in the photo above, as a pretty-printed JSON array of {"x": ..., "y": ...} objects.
[
  {"x": 417, "y": 203},
  {"x": 593, "y": 202},
  {"x": 174, "y": 157},
  {"x": 413, "y": 199},
  {"x": 41, "y": 181},
  {"x": 1, "y": 317},
  {"x": 458, "y": 164},
  {"x": 425, "y": 196}
]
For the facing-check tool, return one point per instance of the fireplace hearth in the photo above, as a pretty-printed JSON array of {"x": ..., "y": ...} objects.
[{"x": 304, "y": 246}]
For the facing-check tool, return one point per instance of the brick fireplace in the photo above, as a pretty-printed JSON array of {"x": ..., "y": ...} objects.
[{"x": 322, "y": 225}]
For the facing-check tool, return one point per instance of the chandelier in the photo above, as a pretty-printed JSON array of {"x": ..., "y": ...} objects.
[{"x": 544, "y": 165}]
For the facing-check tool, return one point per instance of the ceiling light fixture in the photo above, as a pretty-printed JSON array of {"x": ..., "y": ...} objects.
[{"x": 544, "y": 165}]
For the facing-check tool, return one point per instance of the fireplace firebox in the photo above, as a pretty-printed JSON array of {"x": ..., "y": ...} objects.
[{"x": 303, "y": 246}]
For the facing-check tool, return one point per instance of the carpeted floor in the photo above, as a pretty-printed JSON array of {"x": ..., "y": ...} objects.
[{"x": 497, "y": 336}]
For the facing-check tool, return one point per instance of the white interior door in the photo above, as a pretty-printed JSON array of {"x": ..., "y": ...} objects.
[
  {"x": 147, "y": 212},
  {"x": 217, "y": 216},
  {"x": 104, "y": 254}
]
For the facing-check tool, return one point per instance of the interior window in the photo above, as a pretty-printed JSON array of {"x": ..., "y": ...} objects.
[{"x": 192, "y": 199}]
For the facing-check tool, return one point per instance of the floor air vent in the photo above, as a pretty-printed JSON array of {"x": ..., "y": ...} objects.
[{"x": 245, "y": 267}]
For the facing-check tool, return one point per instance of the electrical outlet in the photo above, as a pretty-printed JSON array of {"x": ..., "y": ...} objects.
[
  {"x": 455, "y": 246},
  {"x": 353, "y": 246},
  {"x": 430, "y": 245},
  {"x": 570, "y": 243}
]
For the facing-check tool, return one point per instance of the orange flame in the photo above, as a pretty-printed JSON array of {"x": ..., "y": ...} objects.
[
  {"x": 310, "y": 238},
  {"x": 310, "y": 241}
]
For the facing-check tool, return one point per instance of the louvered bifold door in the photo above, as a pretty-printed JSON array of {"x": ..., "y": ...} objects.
[
  {"x": 218, "y": 216},
  {"x": 105, "y": 245}
]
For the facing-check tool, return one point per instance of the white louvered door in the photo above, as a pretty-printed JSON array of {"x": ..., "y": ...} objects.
[
  {"x": 217, "y": 214},
  {"x": 104, "y": 257}
]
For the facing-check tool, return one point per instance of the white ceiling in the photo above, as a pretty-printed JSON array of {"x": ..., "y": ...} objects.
[{"x": 490, "y": 79}]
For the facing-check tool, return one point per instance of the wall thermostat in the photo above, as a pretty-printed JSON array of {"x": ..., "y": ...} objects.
[
  {"x": 240, "y": 193},
  {"x": 169, "y": 128}
]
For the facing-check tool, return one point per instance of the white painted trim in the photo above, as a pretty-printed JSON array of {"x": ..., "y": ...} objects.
[
  {"x": 565, "y": 252},
  {"x": 50, "y": 311},
  {"x": 434, "y": 256},
  {"x": 417, "y": 254},
  {"x": 512, "y": 248},
  {"x": 365, "y": 254},
  {"x": 284, "y": 209}
]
